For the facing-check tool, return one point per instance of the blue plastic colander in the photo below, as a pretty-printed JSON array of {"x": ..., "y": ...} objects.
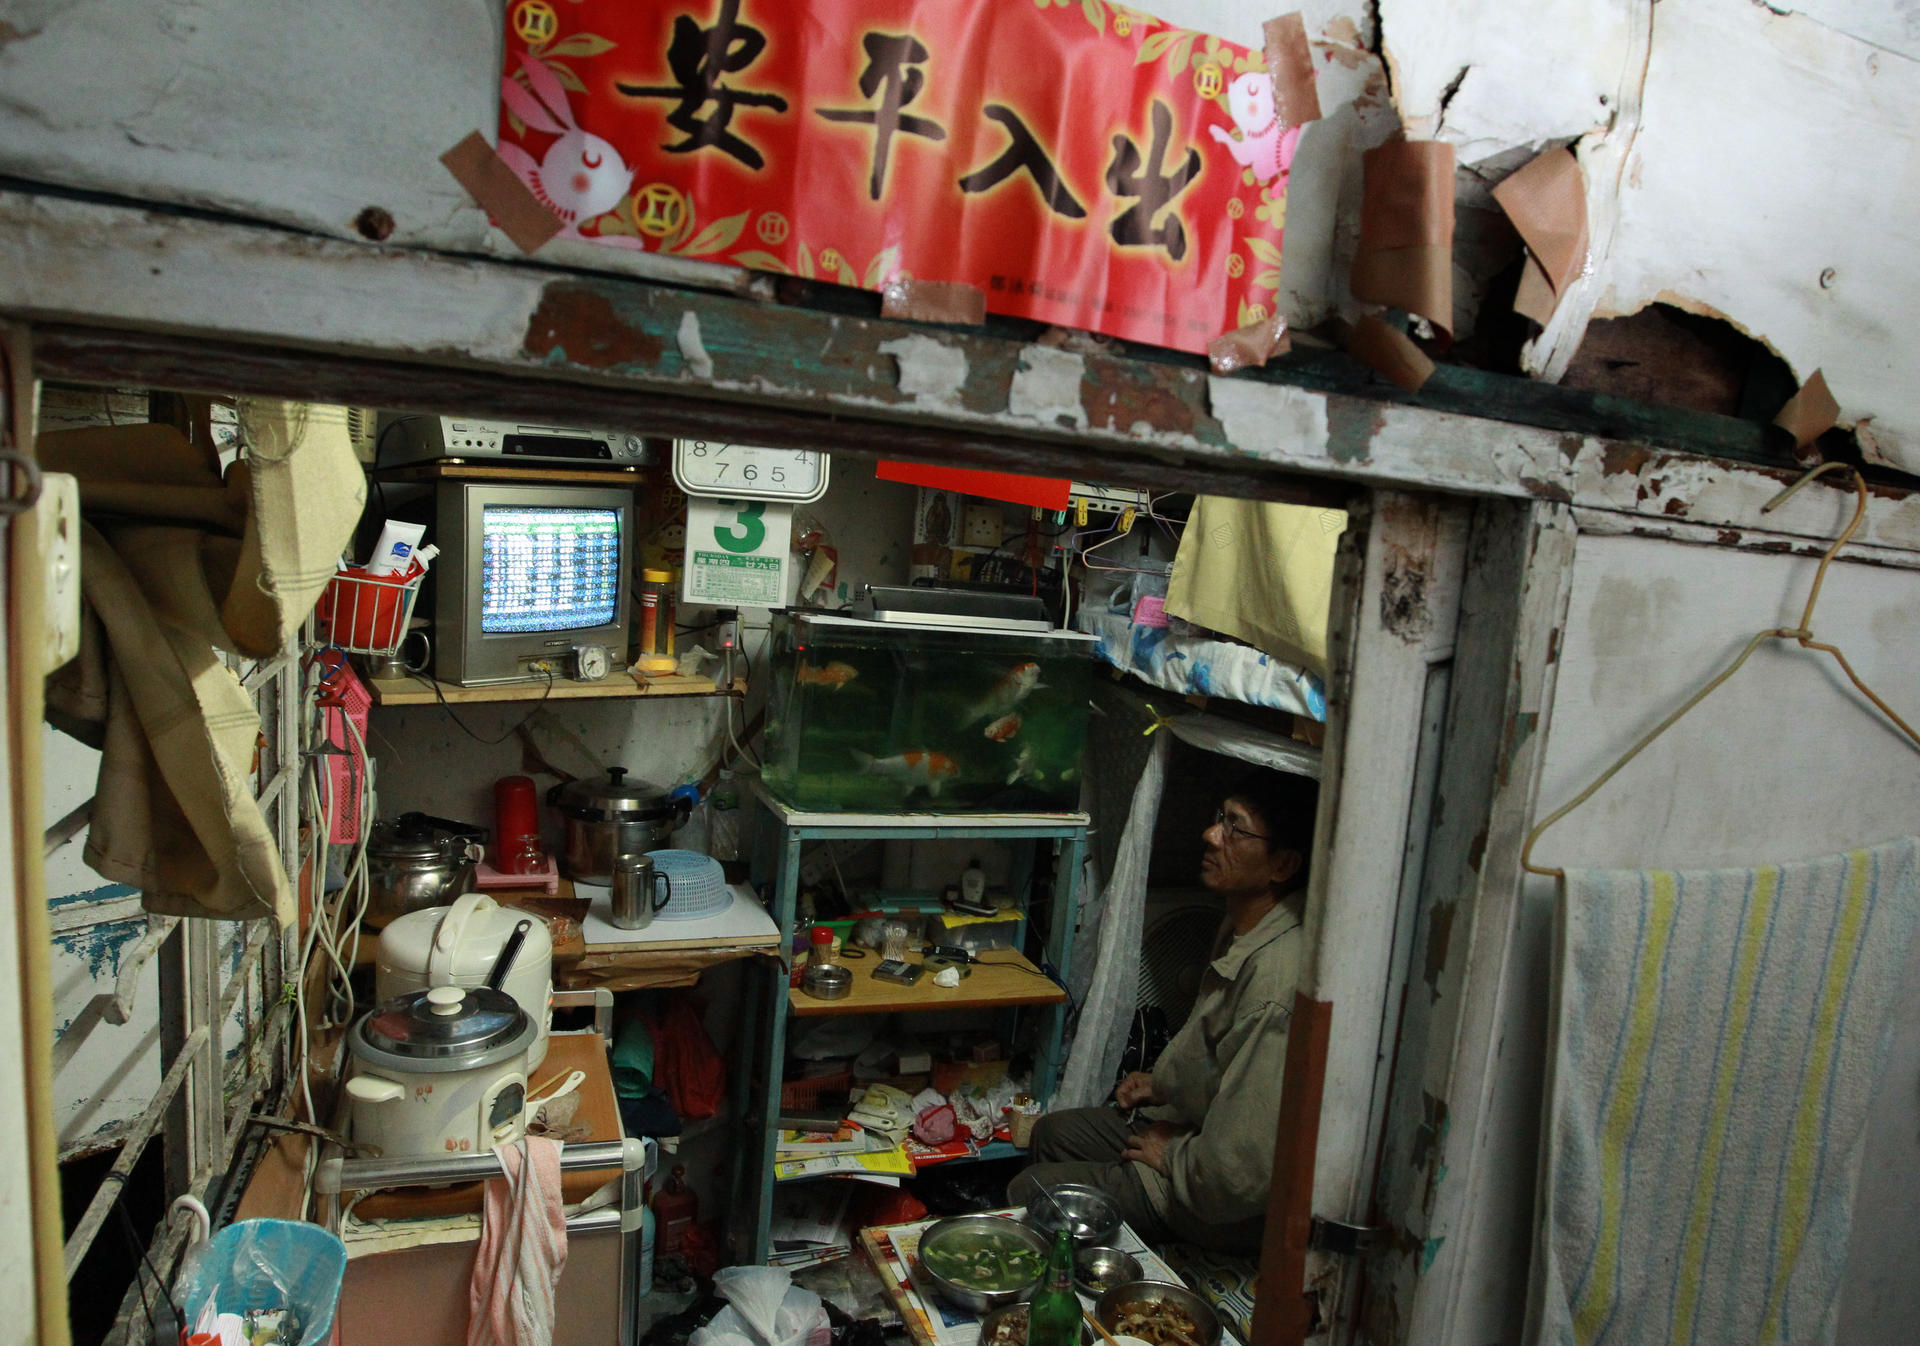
[{"x": 699, "y": 887}]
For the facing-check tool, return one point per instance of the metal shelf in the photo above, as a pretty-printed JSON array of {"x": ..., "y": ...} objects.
[{"x": 1014, "y": 984}]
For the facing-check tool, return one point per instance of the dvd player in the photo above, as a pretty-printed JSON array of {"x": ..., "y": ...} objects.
[{"x": 403, "y": 439}]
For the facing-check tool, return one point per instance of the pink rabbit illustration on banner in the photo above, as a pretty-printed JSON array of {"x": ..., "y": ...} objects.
[
  {"x": 1265, "y": 146},
  {"x": 581, "y": 175}
]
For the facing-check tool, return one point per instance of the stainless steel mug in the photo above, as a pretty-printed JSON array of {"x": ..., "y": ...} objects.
[{"x": 634, "y": 883}]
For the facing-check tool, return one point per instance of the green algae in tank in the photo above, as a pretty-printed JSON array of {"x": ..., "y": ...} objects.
[{"x": 888, "y": 717}]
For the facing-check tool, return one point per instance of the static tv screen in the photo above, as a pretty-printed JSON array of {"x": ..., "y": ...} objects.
[{"x": 548, "y": 568}]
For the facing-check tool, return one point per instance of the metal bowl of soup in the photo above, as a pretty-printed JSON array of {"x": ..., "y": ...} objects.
[{"x": 982, "y": 1262}]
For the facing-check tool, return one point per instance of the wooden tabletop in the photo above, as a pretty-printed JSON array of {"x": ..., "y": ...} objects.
[
  {"x": 1001, "y": 979},
  {"x": 424, "y": 692}
]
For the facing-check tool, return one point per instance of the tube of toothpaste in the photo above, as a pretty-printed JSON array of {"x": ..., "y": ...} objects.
[{"x": 396, "y": 547}]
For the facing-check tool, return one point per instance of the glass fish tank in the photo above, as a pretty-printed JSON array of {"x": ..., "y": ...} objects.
[{"x": 891, "y": 717}]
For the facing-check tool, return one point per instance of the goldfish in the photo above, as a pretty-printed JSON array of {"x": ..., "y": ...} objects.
[
  {"x": 1023, "y": 768},
  {"x": 1004, "y": 728},
  {"x": 835, "y": 675},
  {"x": 1010, "y": 691},
  {"x": 929, "y": 769}
]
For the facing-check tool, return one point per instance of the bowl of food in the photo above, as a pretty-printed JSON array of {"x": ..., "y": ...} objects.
[
  {"x": 1097, "y": 1270},
  {"x": 1008, "y": 1327},
  {"x": 1092, "y": 1215},
  {"x": 1159, "y": 1313},
  {"x": 982, "y": 1262}
]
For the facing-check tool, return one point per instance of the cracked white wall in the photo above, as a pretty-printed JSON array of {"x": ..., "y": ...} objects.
[{"x": 1735, "y": 155}]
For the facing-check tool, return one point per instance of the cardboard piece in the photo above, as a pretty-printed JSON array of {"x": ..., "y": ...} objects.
[
  {"x": 1809, "y": 414},
  {"x": 934, "y": 301},
  {"x": 1390, "y": 353},
  {"x": 1296, "y": 97},
  {"x": 1534, "y": 297},
  {"x": 1405, "y": 255},
  {"x": 1547, "y": 202},
  {"x": 1249, "y": 346},
  {"x": 517, "y": 211}
]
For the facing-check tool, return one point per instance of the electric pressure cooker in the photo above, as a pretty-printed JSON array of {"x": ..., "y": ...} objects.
[{"x": 611, "y": 815}]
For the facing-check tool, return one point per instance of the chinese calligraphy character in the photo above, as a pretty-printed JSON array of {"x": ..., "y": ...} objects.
[
  {"x": 892, "y": 59},
  {"x": 1134, "y": 226},
  {"x": 699, "y": 59},
  {"x": 1023, "y": 152}
]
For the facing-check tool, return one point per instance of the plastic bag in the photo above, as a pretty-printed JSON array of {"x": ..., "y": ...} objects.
[
  {"x": 269, "y": 1264},
  {"x": 685, "y": 1064},
  {"x": 800, "y": 1320}
]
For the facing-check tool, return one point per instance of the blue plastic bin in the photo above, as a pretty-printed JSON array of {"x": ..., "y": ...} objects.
[{"x": 268, "y": 1264}]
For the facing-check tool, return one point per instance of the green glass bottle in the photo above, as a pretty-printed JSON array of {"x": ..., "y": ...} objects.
[{"x": 1053, "y": 1319}]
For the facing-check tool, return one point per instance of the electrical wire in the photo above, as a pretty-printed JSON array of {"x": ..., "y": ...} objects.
[
  {"x": 739, "y": 749},
  {"x": 846, "y": 893},
  {"x": 543, "y": 665}
]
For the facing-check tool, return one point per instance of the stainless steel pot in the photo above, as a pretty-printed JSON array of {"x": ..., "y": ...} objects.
[
  {"x": 610, "y": 816},
  {"x": 415, "y": 861}
]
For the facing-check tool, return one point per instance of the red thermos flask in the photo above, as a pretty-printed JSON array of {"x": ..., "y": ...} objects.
[{"x": 516, "y": 820}]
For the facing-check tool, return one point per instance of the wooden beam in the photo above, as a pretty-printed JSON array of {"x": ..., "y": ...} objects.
[
  {"x": 30, "y": 980},
  {"x": 211, "y": 305},
  {"x": 1282, "y": 1313},
  {"x": 1438, "y": 1149}
]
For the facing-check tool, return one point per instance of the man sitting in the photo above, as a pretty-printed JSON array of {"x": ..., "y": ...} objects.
[{"x": 1187, "y": 1148}]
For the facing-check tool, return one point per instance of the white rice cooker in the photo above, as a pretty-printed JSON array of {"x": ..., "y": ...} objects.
[
  {"x": 458, "y": 946},
  {"x": 439, "y": 1072}
]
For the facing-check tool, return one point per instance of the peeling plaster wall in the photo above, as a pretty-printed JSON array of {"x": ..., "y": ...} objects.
[
  {"x": 1733, "y": 153},
  {"x": 110, "y": 1078},
  {"x": 1772, "y": 182}
]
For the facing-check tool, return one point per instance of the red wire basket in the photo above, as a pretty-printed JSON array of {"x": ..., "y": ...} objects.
[{"x": 368, "y": 614}]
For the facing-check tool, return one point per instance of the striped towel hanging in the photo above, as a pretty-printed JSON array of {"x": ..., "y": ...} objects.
[{"x": 1717, "y": 1036}]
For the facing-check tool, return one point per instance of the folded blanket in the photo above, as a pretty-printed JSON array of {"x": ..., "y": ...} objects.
[{"x": 1716, "y": 1040}]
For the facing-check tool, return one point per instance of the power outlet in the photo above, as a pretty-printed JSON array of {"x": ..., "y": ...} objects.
[{"x": 981, "y": 526}]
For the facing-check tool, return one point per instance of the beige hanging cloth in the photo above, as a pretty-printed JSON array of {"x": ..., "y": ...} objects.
[
  {"x": 1260, "y": 572},
  {"x": 306, "y": 494},
  {"x": 174, "y": 811}
]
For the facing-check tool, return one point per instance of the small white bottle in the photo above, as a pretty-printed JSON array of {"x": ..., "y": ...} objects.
[{"x": 973, "y": 884}]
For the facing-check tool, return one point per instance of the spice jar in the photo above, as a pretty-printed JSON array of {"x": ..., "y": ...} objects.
[
  {"x": 653, "y": 651},
  {"x": 824, "y": 979}
]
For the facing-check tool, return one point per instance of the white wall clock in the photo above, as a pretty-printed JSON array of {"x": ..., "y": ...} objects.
[{"x": 705, "y": 467}]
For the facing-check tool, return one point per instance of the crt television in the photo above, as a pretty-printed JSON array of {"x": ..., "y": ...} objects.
[{"x": 526, "y": 573}]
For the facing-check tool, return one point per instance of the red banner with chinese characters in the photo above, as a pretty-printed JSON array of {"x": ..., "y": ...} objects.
[{"x": 1077, "y": 161}]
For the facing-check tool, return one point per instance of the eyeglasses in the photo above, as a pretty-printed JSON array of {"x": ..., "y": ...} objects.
[{"x": 1220, "y": 820}]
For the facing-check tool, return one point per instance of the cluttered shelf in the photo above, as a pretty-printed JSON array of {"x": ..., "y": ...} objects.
[
  {"x": 901, "y": 1160},
  {"x": 424, "y": 692},
  {"x": 1000, "y": 979}
]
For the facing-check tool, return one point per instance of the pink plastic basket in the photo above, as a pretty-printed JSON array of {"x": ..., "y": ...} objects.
[{"x": 346, "y": 773}]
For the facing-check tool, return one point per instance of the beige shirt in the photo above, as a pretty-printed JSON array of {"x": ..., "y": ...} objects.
[{"x": 1220, "y": 1076}]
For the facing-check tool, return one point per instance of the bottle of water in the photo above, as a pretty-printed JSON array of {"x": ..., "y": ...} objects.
[{"x": 723, "y": 818}]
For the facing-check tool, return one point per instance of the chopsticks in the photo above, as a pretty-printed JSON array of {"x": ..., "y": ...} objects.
[{"x": 1097, "y": 1326}]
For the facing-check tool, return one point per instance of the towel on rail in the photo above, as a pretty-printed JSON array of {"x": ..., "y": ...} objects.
[{"x": 1716, "y": 1037}]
